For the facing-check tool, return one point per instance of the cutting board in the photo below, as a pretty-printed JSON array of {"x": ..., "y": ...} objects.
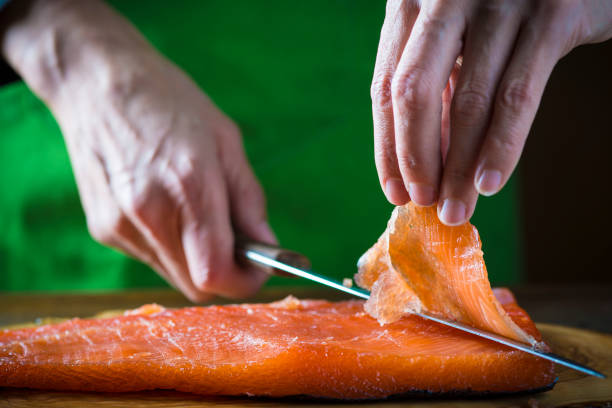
[{"x": 572, "y": 389}]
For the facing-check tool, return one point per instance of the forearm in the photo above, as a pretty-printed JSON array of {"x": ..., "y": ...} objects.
[{"x": 55, "y": 45}]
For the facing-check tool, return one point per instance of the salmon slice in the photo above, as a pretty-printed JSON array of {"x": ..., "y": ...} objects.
[
  {"x": 422, "y": 265},
  {"x": 292, "y": 347}
]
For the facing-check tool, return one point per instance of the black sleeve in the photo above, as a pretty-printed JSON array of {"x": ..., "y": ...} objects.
[{"x": 7, "y": 74}]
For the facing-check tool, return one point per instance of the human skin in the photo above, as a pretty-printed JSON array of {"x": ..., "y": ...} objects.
[
  {"x": 161, "y": 171},
  {"x": 456, "y": 88}
]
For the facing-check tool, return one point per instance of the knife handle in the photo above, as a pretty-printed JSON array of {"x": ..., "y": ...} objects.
[{"x": 286, "y": 256}]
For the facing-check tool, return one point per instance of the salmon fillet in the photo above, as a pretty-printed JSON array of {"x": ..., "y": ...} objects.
[
  {"x": 422, "y": 265},
  {"x": 292, "y": 347}
]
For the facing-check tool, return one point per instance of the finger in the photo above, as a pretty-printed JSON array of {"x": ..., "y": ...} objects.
[
  {"x": 133, "y": 244},
  {"x": 489, "y": 41},
  {"x": 447, "y": 97},
  {"x": 399, "y": 19},
  {"x": 418, "y": 84},
  {"x": 246, "y": 197},
  {"x": 130, "y": 241},
  {"x": 208, "y": 239},
  {"x": 247, "y": 200},
  {"x": 156, "y": 217},
  {"x": 106, "y": 221},
  {"x": 516, "y": 103}
]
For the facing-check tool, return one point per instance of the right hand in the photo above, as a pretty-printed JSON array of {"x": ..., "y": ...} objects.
[
  {"x": 446, "y": 131},
  {"x": 161, "y": 171}
]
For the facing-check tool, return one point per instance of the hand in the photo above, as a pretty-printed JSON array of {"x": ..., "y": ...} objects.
[
  {"x": 161, "y": 171},
  {"x": 472, "y": 71}
]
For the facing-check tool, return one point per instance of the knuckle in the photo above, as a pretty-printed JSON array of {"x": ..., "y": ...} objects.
[
  {"x": 205, "y": 268},
  {"x": 550, "y": 23},
  {"x": 553, "y": 9},
  {"x": 137, "y": 206},
  {"x": 516, "y": 95},
  {"x": 97, "y": 232},
  {"x": 185, "y": 171},
  {"x": 202, "y": 282},
  {"x": 228, "y": 130},
  {"x": 412, "y": 89},
  {"x": 380, "y": 92},
  {"x": 437, "y": 19},
  {"x": 384, "y": 147},
  {"x": 470, "y": 105},
  {"x": 105, "y": 231},
  {"x": 149, "y": 204},
  {"x": 207, "y": 281},
  {"x": 384, "y": 163},
  {"x": 493, "y": 10},
  {"x": 186, "y": 174},
  {"x": 249, "y": 188},
  {"x": 407, "y": 160},
  {"x": 557, "y": 24},
  {"x": 506, "y": 145},
  {"x": 459, "y": 176},
  {"x": 125, "y": 86}
]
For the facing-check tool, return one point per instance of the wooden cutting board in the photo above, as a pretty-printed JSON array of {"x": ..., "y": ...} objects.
[{"x": 573, "y": 389}]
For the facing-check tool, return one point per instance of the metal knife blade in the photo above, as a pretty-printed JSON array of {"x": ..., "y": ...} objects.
[{"x": 274, "y": 259}]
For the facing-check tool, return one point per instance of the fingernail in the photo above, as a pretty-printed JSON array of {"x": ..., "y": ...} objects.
[
  {"x": 488, "y": 182},
  {"x": 422, "y": 194},
  {"x": 453, "y": 212},
  {"x": 396, "y": 192},
  {"x": 265, "y": 233}
]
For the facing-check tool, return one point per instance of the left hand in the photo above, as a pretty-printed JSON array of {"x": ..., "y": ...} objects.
[
  {"x": 161, "y": 171},
  {"x": 445, "y": 131}
]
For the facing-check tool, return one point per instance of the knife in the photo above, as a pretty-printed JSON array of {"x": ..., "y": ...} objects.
[{"x": 283, "y": 262}]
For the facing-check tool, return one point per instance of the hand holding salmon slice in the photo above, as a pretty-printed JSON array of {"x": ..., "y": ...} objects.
[{"x": 422, "y": 265}]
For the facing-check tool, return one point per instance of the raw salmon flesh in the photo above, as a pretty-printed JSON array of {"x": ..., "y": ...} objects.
[
  {"x": 308, "y": 347},
  {"x": 291, "y": 347},
  {"x": 422, "y": 265}
]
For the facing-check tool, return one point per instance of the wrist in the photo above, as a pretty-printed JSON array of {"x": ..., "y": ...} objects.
[{"x": 64, "y": 48}]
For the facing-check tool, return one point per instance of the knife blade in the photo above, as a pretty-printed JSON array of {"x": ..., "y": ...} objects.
[{"x": 290, "y": 263}]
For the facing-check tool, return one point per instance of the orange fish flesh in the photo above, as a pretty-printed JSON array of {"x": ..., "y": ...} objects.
[
  {"x": 422, "y": 265},
  {"x": 287, "y": 348}
]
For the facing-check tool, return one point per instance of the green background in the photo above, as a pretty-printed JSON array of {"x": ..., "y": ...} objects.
[{"x": 295, "y": 76}]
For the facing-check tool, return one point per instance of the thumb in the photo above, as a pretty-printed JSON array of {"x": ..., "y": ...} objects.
[{"x": 208, "y": 243}]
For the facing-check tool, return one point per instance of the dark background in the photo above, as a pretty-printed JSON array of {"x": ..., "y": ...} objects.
[
  {"x": 565, "y": 173},
  {"x": 7, "y": 75}
]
